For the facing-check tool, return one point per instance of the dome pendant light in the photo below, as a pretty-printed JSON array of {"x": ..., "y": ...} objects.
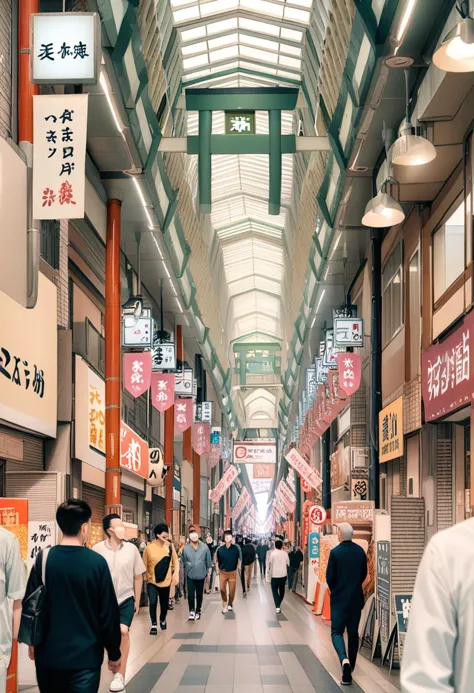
[
  {"x": 383, "y": 211},
  {"x": 411, "y": 149},
  {"x": 456, "y": 52}
]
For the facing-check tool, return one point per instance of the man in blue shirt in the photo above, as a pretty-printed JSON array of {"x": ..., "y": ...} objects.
[
  {"x": 196, "y": 559},
  {"x": 228, "y": 561}
]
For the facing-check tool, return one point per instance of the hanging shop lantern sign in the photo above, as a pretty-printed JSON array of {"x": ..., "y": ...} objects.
[
  {"x": 331, "y": 351},
  {"x": 182, "y": 415},
  {"x": 348, "y": 332},
  {"x": 162, "y": 390},
  {"x": 184, "y": 383},
  {"x": 321, "y": 371},
  {"x": 240, "y": 123},
  {"x": 201, "y": 438},
  {"x": 350, "y": 371},
  {"x": 139, "y": 335},
  {"x": 344, "y": 311},
  {"x": 66, "y": 48},
  {"x": 134, "y": 451},
  {"x": 311, "y": 385},
  {"x": 137, "y": 373},
  {"x": 59, "y": 156},
  {"x": 317, "y": 515},
  {"x": 156, "y": 468},
  {"x": 216, "y": 435},
  {"x": 214, "y": 455},
  {"x": 310, "y": 474},
  {"x": 164, "y": 355},
  {"x": 203, "y": 412}
]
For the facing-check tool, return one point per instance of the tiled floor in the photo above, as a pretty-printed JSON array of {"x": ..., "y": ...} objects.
[{"x": 249, "y": 651}]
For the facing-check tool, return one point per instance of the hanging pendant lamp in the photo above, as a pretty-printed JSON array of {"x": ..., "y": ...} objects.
[
  {"x": 456, "y": 52},
  {"x": 411, "y": 149}
]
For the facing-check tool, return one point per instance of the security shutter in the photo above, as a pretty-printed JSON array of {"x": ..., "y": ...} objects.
[
  {"x": 158, "y": 510},
  {"x": 33, "y": 449},
  {"x": 130, "y": 504},
  {"x": 444, "y": 477},
  {"x": 408, "y": 541},
  {"x": 41, "y": 490},
  {"x": 95, "y": 497},
  {"x": 6, "y": 68}
]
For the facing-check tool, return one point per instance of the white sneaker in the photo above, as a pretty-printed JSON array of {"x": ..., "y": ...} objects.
[
  {"x": 117, "y": 683},
  {"x": 198, "y": 616},
  {"x": 278, "y": 610},
  {"x": 231, "y": 608},
  {"x": 192, "y": 616},
  {"x": 224, "y": 608}
]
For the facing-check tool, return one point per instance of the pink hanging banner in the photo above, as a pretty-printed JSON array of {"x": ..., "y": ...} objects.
[
  {"x": 162, "y": 390},
  {"x": 137, "y": 372},
  {"x": 308, "y": 473},
  {"x": 230, "y": 475},
  {"x": 183, "y": 415},
  {"x": 214, "y": 455},
  {"x": 350, "y": 371},
  {"x": 201, "y": 438}
]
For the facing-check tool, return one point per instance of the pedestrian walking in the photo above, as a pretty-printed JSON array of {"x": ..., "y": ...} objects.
[
  {"x": 248, "y": 559},
  {"x": 12, "y": 589},
  {"x": 162, "y": 569},
  {"x": 196, "y": 559},
  {"x": 278, "y": 572},
  {"x": 296, "y": 559},
  {"x": 346, "y": 573},
  {"x": 228, "y": 562},
  {"x": 262, "y": 550},
  {"x": 126, "y": 568},
  {"x": 182, "y": 572},
  {"x": 81, "y": 612},
  {"x": 239, "y": 543}
]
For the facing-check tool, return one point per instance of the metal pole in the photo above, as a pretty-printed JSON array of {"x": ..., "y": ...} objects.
[
  {"x": 376, "y": 365},
  {"x": 205, "y": 165},
  {"x": 168, "y": 458},
  {"x": 274, "y": 118},
  {"x": 112, "y": 358},
  {"x": 326, "y": 453},
  {"x": 196, "y": 489}
]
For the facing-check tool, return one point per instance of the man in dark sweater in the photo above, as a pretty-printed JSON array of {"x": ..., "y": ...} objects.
[
  {"x": 248, "y": 559},
  {"x": 228, "y": 560},
  {"x": 81, "y": 611},
  {"x": 346, "y": 573}
]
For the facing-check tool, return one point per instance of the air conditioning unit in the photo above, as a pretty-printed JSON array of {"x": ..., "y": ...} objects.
[{"x": 359, "y": 458}]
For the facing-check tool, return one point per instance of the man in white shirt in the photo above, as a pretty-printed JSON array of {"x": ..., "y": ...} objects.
[
  {"x": 12, "y": 589},
  {"x": 439, "y": 645},
  {"x": 126, "y": 568},
  {"x": 278, "y": 573}
]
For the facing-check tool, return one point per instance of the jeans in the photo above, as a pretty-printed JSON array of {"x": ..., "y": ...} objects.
[
  {"x": 262, "y": 566},
  {"x": 195, "y": 592},
  {"x": 68, "y": 681},
  {"x": 158, "y": 593},
  {"x": 278, "y": 590},
  {"x": 339, "y": 623},
  {"x": 231, "y": 578}
]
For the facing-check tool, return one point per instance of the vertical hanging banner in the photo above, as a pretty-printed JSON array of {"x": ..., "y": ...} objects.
[
  {"x": 137, "y": 372},
  {"x": 201, "y": 438},
  {"x": 308, "y": 473},
  {"x": 59, "y": 156},
  {"x": 231, "y": 474},
  {"x": 162, "y": 390},
  {"x": 183, "y": 415},
  {"x": 350, "y": 371},
  {"x": 214, "y": 455}
]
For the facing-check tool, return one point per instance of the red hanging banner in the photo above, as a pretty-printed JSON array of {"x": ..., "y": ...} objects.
[
  {"x": 350, "y": 370},
  {"x": 137, "y": 372},
  {"x": 201, "y": 438},
  {"x": 183, "y": 415},
  {"x": 162, "y": 390},
  {"x": 214, "y": 455}
]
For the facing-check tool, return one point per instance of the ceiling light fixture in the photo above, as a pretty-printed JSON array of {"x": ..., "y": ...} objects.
[
  {"x": 456, "y": 51},
  {"x": 105, "y": 88},
  {"x": 320, "y": 300},
  {"x": 383, "y": 210},
  {"x": 143, "y": 201},
  {"x": 411, "y": 149},
  {"x": 402, "y": 27}
]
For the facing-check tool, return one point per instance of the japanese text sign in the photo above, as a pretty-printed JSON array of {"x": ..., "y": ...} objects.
[
  {"x": 134, "y": 452},
  {"x": 391, "y": 431},
  {"x": 317, "y": 515},
  {"x": 184, "y": 383},
  {"x": 240, "y": 123},
  {"x": 137, "y": 373},
  {"x": 203, "y": 412},
  {"x": 446, "y": 372},
  {"x": 164, "y": 355},
  {"x": 162, "y": 390},
  {"x": 96, "y": 413},
  {"x": 349, "y": 332},
  {"x": 229, "y": 477},
  {"x": 314, "y": 545},
  {"x": 182, "y": 415},
  {"x": 240, "y": 505},
  {"x": 263, "y": 471},
  {"x": 308, "y": 473},
  {"x": 214, "y": 454},
  {"x": 59, "y": 156},
  {"x": 66, "y": 48},
  {"x": 350, "y": 371},
  {"x": 354, "y": 512},
  {"x": 201, "y": 438},
  {"x": 253, "y": 453},
  {"x": 139, "y": 334},
  {"x": 41, "y": 535}
]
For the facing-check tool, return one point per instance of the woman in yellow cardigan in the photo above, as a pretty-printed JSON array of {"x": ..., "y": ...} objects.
[{"x": 162, "y": 570}]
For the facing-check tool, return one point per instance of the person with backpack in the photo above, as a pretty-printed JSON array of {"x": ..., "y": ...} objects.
[
  {"x": 162, "y": 569},
  {"x": 79, "y": 615}
]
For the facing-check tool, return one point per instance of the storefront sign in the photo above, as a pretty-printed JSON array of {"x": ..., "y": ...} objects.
[
  {"x": 350, "y": 372},
  {"x": 164, "y": 355},
  {"x": 28, "y": 361},
  {"x": 229, "y": 477},
  {"x": 59, "y": 156},
  {"x": 402, "y": 603},
  {"x": 359, "y": 484},
  {"x": 314, "y": 552},
  {"x": 41, "y": 535},
  {"x": 201, "y": 438},
  {"x": 263, "y": 471},
  {"x": 447, "y": 372},
  {"x": 203, "y": 412},
  {"x": 138, "y": 336},
  {"x": 310, "y": 474},
  {"x": 321, "y": 371},
  {"x": 317, "y": 515},
  {"x": 134, "y": 451},
  {"x": 65, "y": 48},
  {"x": 344, "y": 312},
  {"x": 311, "y": 385},
  {"x": 391, "y": 431},
  {"x": 349, "y": 332},
  {"x": 182, "y": 415},
  {"x": 216, "y": 435},
  {"x": 246, "y": 452},
  {"x": 354, "y": 512},
  {"x": 162, "y": 390},
  {"x": 177, "y": 481},
  {"x": 383, "y": 592},
  {"x": 156, "y": 468},
  {"x": 240, "y": 123},
  {"x": 331, "y": 351},
  {"x": 137, "y": 373},
  {"x": 184, "y": 383}
]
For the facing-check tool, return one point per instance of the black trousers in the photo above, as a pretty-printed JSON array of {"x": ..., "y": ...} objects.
[
  {"x": 68, "y": 681},
  {"x": 242, "y": 577},
  {"x": 262, "y": 566},
  {"x": 161, "y": 594},
  {"x": 278, "y": 590},
  {"x": 195, "y": 592},
  {"x": 341, "y": 622}
]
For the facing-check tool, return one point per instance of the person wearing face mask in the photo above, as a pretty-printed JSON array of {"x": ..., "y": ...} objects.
[
  {"x": 162, "y": 569},
  {"x": 196, "y": 559},
  {"x": 228, "y": 561},
  {"x": 126, "y": 568},
  {"x": 81, "y": 612}
]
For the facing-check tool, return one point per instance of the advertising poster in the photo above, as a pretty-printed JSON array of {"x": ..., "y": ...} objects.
[
  {"x": 383, "y": 592},
  {"x": 314, "y": 552}
]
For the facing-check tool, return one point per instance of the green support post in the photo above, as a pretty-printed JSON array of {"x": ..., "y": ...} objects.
[
  {"x": 274, "y": 117},
  {"x": 205, "y": 166}
]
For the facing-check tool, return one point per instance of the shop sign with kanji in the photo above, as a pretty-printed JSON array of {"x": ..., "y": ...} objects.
[
  {"x": 65, "y": 48},
  {"x": 201, "y": 438},
  {"x": 349, "y": 332},
  {"x": 354, "y": 512},
  {"x": 59, "y": 156},
  {"x": 308, "y": 473},
  {"x": 229, "y": 477},
  {"x": 391, "y": 431},
  {"x": 240, "y": 123},
  {"x": 350, "y": 371},
  {"x": 446, "y": 372},
  {"x": 164, "y": 355},
  {"x": 134, "y": 451},
  {"x": 96, "y": 413},
  {"x": 162, "y": 390},
  {"x": 182, "y": 415},
  {"x": 203, "y": 412},
  {"x": 137, "y": 372},
  {"x": 139, "y": 335}
]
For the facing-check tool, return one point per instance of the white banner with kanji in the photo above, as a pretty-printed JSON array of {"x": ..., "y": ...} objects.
[
  {"x": 306, "y": 472},
  {"x": 231, "y": 474},
  {"x": 59, "y": 156}
]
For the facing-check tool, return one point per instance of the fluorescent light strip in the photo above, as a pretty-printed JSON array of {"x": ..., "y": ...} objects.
[
  {"x": 179, "y": 304},
  {"x": 320, "y": 300},
  {"x": 158, "y": 246},
  {"x": 335, "y": 245},
  {"x": 105, "y": 89},
  {"x": 402, "y": 27},
  {"x": 143, "y": 201}
]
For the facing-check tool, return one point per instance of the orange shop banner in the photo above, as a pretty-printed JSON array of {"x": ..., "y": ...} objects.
[{"x": 134, "y": 452}]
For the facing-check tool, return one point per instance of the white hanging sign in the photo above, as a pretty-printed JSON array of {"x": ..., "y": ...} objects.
[{"x": 59, "y": 156}]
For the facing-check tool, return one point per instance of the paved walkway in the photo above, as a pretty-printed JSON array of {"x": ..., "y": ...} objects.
[{"x": 249, "y": 651}]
